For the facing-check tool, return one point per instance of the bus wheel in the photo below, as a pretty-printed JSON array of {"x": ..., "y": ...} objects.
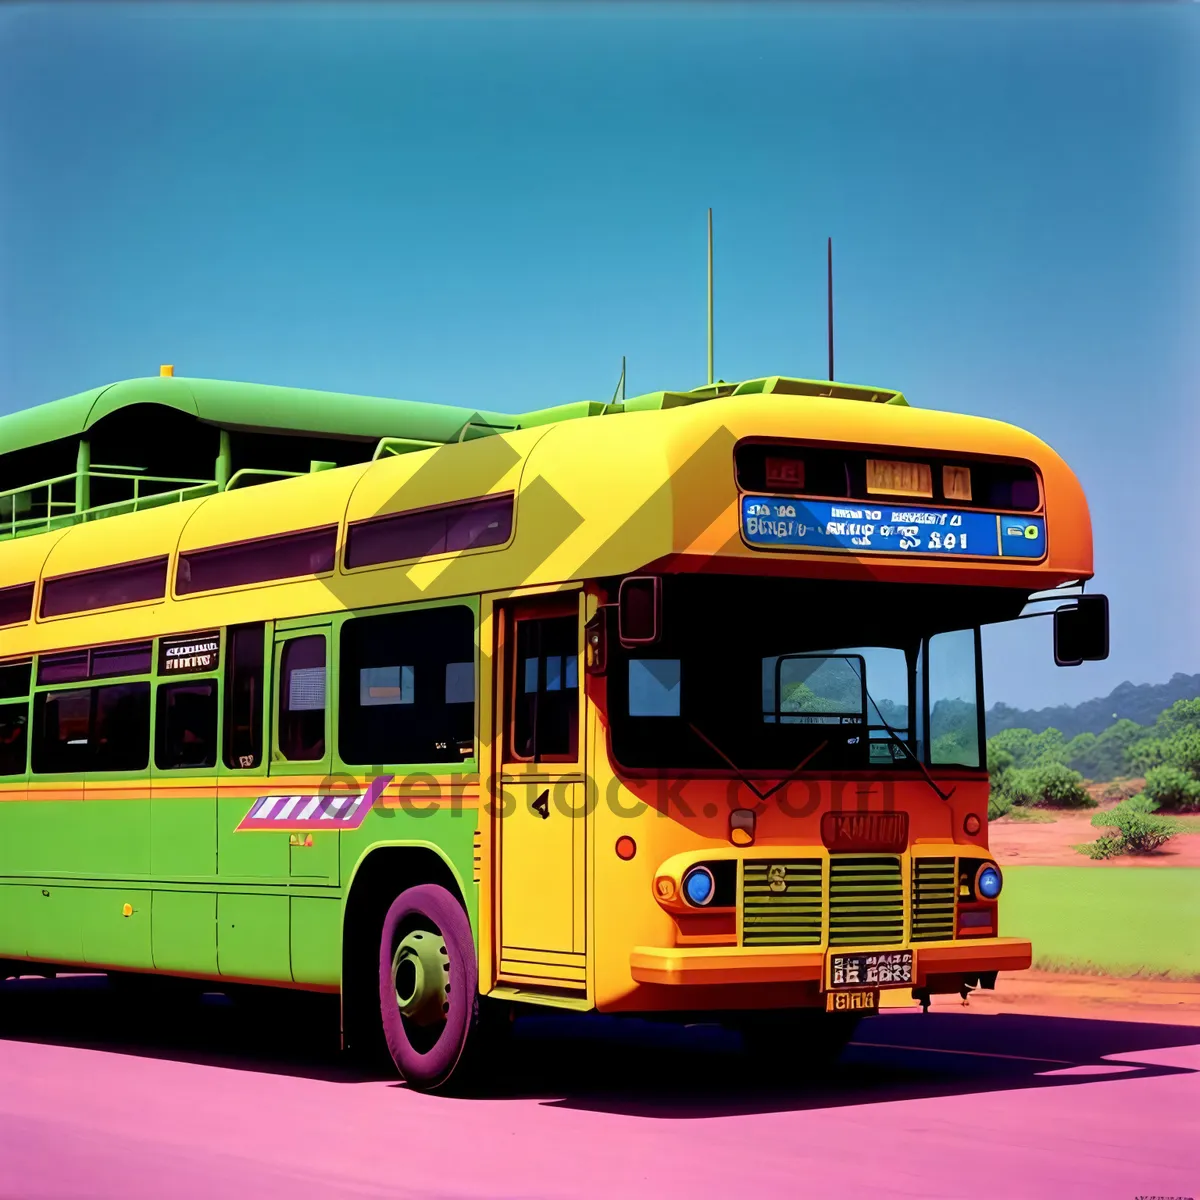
[{"x": 428, "y": 980}]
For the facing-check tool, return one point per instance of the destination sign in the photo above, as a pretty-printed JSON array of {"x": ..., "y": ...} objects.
[
  {"x": 196, "y": 652},
  {"x": 874, "y": 528}
]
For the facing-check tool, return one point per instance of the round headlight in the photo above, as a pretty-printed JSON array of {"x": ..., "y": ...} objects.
[
  {"x": 989, "y": 882},
  {"x": 699, "y": 886}
]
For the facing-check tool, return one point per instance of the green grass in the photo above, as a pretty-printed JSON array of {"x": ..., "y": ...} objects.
[
  {"x": 1032, "y": 816},
  {"x": 1124, "y": 921}
]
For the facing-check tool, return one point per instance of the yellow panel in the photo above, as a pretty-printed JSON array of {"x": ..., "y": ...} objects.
[
  {"x": 546, "y": 958},
  {"x": 266, "y": 509},
  {"x": 537, "y": 892},
  {"x": 443, "y": 475},
  {"x": 119, "y": 539},
  {"x": 21, "y": 559},
  {"x": 511, "y": 968}
]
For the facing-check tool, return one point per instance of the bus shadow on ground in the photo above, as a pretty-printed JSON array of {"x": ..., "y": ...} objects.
[{"x": 605, "y": 1064}]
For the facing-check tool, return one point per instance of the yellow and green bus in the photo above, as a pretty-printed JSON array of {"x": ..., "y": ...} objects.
[{"x": 662, "y": 707}]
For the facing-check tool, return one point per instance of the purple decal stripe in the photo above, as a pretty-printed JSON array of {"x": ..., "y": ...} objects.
[{"x": 347, "y": 810}]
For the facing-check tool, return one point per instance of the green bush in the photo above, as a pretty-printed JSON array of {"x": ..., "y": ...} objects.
[
  {"x": 1050, "y": 784},
  {"x": 1026, "y": 748},
  {"x": 999, "y": 803},
  {"x": 1139, "y": 802},
  {"x": 1101, "y": 757},
  {"x": 1145, "y": 755},
  {"x": 1171, "y": 787},
  {"x": 1107, "y": 845},
  {"x": 1138, "y": 830},
  {"x": 1183, "y": 714}
]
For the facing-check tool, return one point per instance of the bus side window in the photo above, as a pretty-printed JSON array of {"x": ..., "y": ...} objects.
[
  {"x": 14, "y": 718},
  {"x": 545, "y": 690},
  {"x": 302, "y": 699},
  {"x": 92, "y": 729},
  {"x": 408, "y": 687},
  {"x": 244, "y": 679},
  {"x": 186, "y": 730},
  {"x": 14, "y": 721}
]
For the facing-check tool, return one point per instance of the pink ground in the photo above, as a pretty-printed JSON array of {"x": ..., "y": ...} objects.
[{"x": 957, "y": 1103}]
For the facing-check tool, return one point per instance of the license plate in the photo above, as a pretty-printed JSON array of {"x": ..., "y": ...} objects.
[
  {"x": 891, "y": 968},
  {"x": 858, "y": 1000}
]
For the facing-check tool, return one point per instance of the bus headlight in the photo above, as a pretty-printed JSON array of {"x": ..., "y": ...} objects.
[
  {"x": 989, "y": 881},
  {"x": 699, "y": 887}
]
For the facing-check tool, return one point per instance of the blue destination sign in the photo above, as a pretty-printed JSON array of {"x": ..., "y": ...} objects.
[{"x": 874, "y": 528}]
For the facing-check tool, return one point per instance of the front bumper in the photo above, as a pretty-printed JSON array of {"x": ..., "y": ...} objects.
[{"x": 704, "y": 965}]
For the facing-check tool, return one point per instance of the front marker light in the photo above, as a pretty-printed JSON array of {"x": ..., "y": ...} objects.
[
  {"x": 989, "y": 882},
  {"x": 699, "y": 887}
]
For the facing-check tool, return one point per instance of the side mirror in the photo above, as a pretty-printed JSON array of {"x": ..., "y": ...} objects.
[
  {"x": 1081, "y": 631},
  {"x": 639, "y": 610}
]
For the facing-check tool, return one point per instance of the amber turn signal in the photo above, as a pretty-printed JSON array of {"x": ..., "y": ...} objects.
[
  {"x": 971, "y": 824},
  {"x": 626, "y": 847}
]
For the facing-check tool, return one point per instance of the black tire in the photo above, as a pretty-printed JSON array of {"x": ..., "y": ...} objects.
[
  {"x": 798, "y": 1041},
  {"x": 428, "y": 1047}
]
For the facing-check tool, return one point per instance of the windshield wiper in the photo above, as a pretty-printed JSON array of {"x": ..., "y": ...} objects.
[
  {"x": 929, "y": 779},
  {"x": 746, "y": 778}
]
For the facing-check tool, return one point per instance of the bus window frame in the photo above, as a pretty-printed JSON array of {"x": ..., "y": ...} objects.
[
  {"x": 88, "y": 683},
  {"x": 537, "y": 607},
  {"x": 265, "y": 700},
  {"x": 30, "y": 659},
  {"x": 402, "y": 770},
  {"x": 159, "y": 679},
  {"x": 279, "y": 766}
]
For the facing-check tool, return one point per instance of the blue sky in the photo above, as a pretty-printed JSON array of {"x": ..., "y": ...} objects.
[{"x": 491, "y": 205}]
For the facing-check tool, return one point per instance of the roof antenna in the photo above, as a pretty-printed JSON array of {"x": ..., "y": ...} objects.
[
  {"x": 829, "y": 271},
  {"x": 620, "y": 383},
  {"x": 710, "y": 301}
]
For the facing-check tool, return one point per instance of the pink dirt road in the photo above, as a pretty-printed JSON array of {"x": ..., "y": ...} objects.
[{"x": 101, "y": 1096}]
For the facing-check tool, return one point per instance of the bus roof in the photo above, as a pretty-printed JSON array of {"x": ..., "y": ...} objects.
[
  {"x": 267, "y": 407},
  {"x": 653, "y": 489}
]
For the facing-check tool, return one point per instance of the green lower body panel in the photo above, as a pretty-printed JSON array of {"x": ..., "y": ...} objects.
[
  {"x": 316, "y": 941},
  {"x": 316, "y": 863},
  {"x": 114, "y": 837},
  {"x": 116, "y": 927},
  {"x": 42, "y": 837},
  {"x": 254, "y": 937},
  {"x": 183, "y": 837},
  {"x": 54, "y": 922},
  {"x": 185, "y": 932},
  {"x": 250, "y": 853},
  {"x": 14, "y": 920}
]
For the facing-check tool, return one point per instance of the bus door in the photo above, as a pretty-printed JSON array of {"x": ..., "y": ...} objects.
[{"x": 541, "y": 830}]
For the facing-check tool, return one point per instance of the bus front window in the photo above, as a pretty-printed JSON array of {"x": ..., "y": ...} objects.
[{"x": 762, "y": 675}]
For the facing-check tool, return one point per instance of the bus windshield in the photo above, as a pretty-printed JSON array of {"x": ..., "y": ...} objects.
[{"x": 767, "y": 675}]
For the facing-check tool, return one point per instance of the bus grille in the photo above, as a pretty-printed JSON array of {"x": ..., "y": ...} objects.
[
  {"x": 866, "y": 901},
  {"x": 932, "y": 899},
  {"x": 781, "y": 902}
]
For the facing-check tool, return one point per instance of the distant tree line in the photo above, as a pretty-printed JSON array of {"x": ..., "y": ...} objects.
[
  {"x": 1046, "y": 769},
  {"x": 1137, "y": 702}
]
